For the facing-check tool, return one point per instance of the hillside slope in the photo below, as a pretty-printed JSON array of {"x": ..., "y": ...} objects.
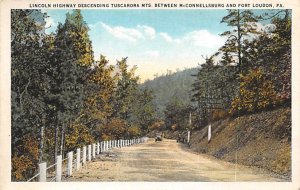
[
  {"x": 262, "y": 140},
  {"x": 178, "y": 84}
]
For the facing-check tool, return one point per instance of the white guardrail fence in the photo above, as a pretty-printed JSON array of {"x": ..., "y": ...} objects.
[{"x": 64, "y": 167}]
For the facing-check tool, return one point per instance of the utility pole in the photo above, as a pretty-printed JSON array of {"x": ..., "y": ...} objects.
[{"x": 189, "y": 128}]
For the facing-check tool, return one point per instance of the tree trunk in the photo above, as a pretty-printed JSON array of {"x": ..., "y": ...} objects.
[
  {"x": 62, "y": 141},
  {"x": 56, "y": 141},
  {"x": 239, "y": 39},
  {"x": 41, "y": 143}
]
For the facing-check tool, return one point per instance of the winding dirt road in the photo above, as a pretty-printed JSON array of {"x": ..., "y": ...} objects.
[{"x": 162, "y": 161}]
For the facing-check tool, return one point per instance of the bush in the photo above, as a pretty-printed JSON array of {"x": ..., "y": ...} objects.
[
  {"x": 256, "y": 93},
  {"x": 77, "y": 135},
  {"x": 25, "y": 159},
  {"x": 158, "y": 125},
  {"x": 218, "y": 114}
]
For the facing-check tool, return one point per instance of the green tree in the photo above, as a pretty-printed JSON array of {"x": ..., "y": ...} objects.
[
  {"x": 243, "y": 23},
  {"x": 144, "y": 110},
  {"x": 125, "y": 91},
  {"x": 100, "y": 89},
  {"x": 28, "y": 89},
  {"x": 72, "y": 59},
  {"x": 211, "y": 89},
  {"x": 176, "y": 114},
  {"x": 268, "y": 65}
]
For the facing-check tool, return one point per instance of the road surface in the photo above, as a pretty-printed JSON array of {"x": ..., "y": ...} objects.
[{"x": 162, "y": 161}]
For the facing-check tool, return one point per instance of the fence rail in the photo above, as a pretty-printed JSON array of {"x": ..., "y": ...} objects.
[{"x": 76, "y": 161}]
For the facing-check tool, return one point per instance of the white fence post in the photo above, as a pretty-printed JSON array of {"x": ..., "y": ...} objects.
[
  {"x": 77, "y": 159},
  {"x": 70, "y": 163},
  {"x": 89, "y": 152},
  {"x": 84, "y": 155},
  {"x": 101, "y": 146},
  {"x": 43, "y": 172},
  {"x": 58, "y": 168},
  {"x": 98, "y": 148},
  {"x": 106, "y": 145},
  {"x": 94, "y": 151}
]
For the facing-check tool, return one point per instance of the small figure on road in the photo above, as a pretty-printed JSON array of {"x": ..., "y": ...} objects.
[{"x": 158, "y": 137}]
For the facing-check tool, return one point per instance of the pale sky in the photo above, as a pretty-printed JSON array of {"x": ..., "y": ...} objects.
[{"x": 154, "y": 40}]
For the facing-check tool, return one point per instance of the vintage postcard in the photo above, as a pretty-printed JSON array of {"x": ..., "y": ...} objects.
[{"x": 129, "y": 94}]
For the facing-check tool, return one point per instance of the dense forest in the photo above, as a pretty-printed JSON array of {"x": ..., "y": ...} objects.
[
  {"x": 63, "y": 98},
  {"x": 170, "y": 86},
  {"x": 250, "y": 73}
]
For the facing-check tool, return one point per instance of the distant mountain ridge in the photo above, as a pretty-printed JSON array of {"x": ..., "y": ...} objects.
[{"x": 166, "y": 87}]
